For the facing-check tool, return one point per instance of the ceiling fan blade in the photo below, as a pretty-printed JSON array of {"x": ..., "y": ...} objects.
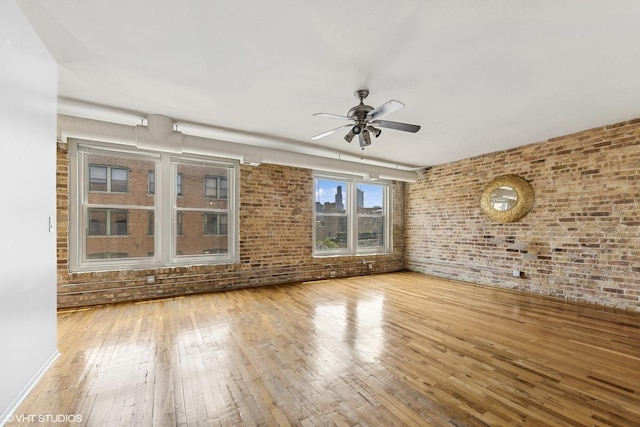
[
  {"x": 332, "y": 116},
  {"x": 386, "y": 108},
  {"x": 396, "y": 125},
  {"x": 329, "y": 132}
]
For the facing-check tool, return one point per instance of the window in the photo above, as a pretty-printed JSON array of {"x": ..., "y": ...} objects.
[
  {"x": 215, "y": 187},
  {"x": 204, "y": 214},
  {"x": 98, "y": 178},
  {"x": 108, "y": 178},
  {"x": 371, "y": 215},
  {"x": 351, "y": 216},
  {"x": 179, "y": 223},
  {"x": 152, "y": 182},
  {"x": 215, "y": 224},
  {"x": 112, "y": 214},
  {"x": 127, "y": 217},
  {"x": 151, "y": 222},
  {"x": 107, "y": 222},
  {"x": 179, "y": 184},
  {"x": 119, "y": 180},
  {"x": 332, "y": 215}
]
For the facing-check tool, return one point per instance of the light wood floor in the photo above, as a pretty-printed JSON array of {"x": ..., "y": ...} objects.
[{"x": 386, "y": 350}]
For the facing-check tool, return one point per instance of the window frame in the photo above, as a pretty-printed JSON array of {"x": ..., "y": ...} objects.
[
  {"x": 165, "y": 226},
  {"x": 350, "y": 202}
]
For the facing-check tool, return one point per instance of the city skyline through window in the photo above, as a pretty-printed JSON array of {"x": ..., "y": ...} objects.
[
  {"x": 350, "y": 216},
  {"x": 326, "y": 191}
]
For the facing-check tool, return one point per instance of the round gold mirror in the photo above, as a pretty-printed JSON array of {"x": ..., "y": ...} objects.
[{"x": 507, "y": 198}]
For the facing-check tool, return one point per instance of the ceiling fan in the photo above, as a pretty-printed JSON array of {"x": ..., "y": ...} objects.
[{"x": 366, "y": 120}]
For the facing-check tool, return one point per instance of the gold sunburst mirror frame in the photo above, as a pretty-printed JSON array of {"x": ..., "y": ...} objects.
[{"x": 507, "y": 198}]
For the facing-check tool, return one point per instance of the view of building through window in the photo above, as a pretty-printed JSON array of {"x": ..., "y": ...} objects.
[
  {"x": 118, "y": 202},
  {"x": 202, "y": 207},
  {"x": 120, "y": 212}
]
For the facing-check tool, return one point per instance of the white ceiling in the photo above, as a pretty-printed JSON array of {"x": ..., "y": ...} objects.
[{"x": 478, "y": 76}]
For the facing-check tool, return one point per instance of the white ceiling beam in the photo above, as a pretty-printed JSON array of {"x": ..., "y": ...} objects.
[{"x": 139, "y": 136}]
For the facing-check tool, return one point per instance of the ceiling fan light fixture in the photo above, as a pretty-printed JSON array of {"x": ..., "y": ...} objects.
[
  {"x": 366, "y": 138},
  {"x": 356, "y": 129},
  {"x": 349, "y": 137},
  {"x": 376, "y": 132}
]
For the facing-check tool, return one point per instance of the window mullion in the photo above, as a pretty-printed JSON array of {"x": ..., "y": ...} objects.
[
  {"x": 165, "y": 209},
  {"x": 388, "y": 220},
  {"x": 353, "y": 217}
]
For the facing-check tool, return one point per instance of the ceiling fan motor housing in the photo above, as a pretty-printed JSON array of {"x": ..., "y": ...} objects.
[{"x": 360, "y": 111}]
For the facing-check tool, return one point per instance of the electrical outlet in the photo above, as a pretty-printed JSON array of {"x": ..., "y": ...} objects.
[
  {"x": 151, "y": 280},
  {"x": 516, "y": 273},
  {"x": 52, "y": 224}
]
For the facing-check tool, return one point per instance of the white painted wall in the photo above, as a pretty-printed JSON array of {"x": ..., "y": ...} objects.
[{"x": 28, "y": 199}]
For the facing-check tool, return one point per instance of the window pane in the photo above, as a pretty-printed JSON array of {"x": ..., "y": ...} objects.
[
  {"x": 97, "y": 178},
  {"x": 179, "y": 184},
  {"x": 211, "y": 224},
  {"x": 210, "y": 187},
  {"x": 202, "y": 211},
  {"x": 98, "y": 222},
  {"x": 151, "y": 223},
  {"x": 370, "y": 231},
  {"x": 224, "y": 188},
  {"x": 371, "y": 220},
  {"x": 370, "y": 199},
  {"x": 118, "y": 222},
  {"x": 119, "y": 179},
  {"x": 223, "y": 225},
  {"x": 331, "y": 232},
  {"x": 331, "y": 196},
  {"x": 179, "y": 223},
  {"x": 152, "y": 182}
]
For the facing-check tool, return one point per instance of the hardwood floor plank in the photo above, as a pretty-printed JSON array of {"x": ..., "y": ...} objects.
[{"x": 393, "y": 349}]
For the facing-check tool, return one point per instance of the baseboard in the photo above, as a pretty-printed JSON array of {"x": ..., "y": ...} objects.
[{"x": 6, "y": 415}]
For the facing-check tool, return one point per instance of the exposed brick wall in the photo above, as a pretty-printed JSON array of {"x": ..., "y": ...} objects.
[
  {"x": 276, "y": 228},
  {"x": 580, "y": 241}
]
